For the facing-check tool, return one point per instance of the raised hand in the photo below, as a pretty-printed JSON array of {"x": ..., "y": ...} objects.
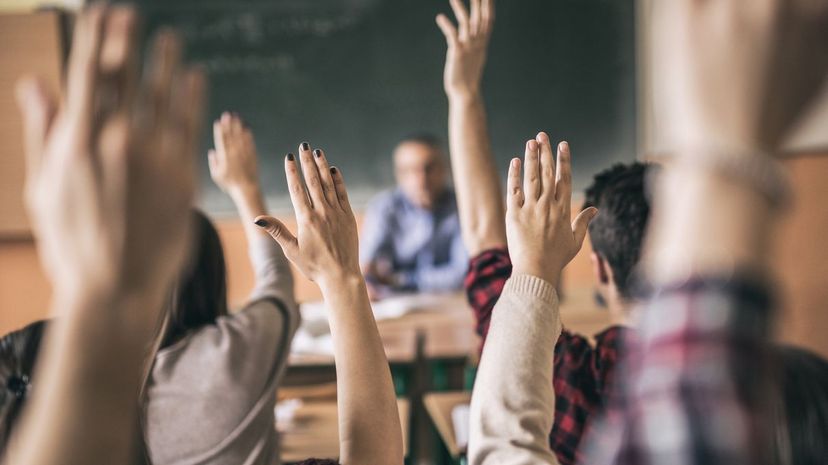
[
  {"x": 541, "y": 239},
  {"x": 325, "y": 248},
  {"x": 109, "y": 183},
  {"x": 466, "y": 55},
  {"x": 326, "y": 251},
  {"x": 110, "y": 172},
  {"x": 233, "y": 164},
  {"x": 733, "y": 78}
]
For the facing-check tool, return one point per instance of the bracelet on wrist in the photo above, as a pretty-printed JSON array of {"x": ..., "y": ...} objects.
[{"x": 761, "y": 172}]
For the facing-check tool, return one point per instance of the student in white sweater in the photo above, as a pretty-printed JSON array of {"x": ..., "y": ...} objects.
[{"x": 512, "y": 407}]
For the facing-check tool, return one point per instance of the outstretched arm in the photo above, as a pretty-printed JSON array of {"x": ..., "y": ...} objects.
[
  {"x": 704, "y": 332},
  {"x": 234, "y": 168},
  {"x": 109, "y": 193},
  {"x": 513, "y": 403},
  {"x": 325, "y": 250},
  {"x": 479, "y": 195}
]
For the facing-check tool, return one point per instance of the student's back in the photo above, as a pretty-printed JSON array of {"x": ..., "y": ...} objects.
[{"x": 211, "y": 391}]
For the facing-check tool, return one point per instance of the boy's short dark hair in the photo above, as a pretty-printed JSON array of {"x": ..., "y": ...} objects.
[{"x": 618, "y": 231}]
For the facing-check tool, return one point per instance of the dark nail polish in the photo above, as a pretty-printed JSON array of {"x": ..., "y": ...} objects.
[
  {"x": 290, "y": 157},
  {"x": 261, "y": 222},
  {"x": 318, "y": 153},
  {"x": 333, "y": 169},
  {"x": 305, "y": 146}
]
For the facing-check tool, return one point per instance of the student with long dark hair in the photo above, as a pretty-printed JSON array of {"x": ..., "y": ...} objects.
[
  {"x": 211, "y": 391},
  {"x": 18, "y": 355}
]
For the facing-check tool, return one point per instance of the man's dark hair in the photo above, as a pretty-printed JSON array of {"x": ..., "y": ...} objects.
[
  {"x": 617, "y": 232},
  {"x": 426, "y": 138}
]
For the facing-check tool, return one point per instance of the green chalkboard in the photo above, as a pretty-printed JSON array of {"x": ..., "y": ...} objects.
[{"x": 354, "y": 76}]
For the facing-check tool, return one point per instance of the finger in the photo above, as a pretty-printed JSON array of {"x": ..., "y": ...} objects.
[
  {"x": 218, "y": 138},
  {"x": 83, "y": 66},
  {"x": 189, "y": 104},
  {"x": 328, "y": 188},
  {"x": 236, "y": 123},
  {"x": 531, "y": 175},
  {"x": 119, "y": 60},
  {"x": 280, "y": 233},
  {"x": 312, "y": 179},
  {"x": 341, "y": 191},
  {"x": 298, "y": 195},
  {"x": 226, "y": 127},
  {"x": 38, "y": 108},
  {"x": 474, "y": 18},
  {"x": 581, "y": 224},
  {"x": 514, "y": 192},
  {"x": 212, "y": 162},
  {"x": 563, "y": 175},
  {"x": 448, "y": 29},
  {"x": 164, "y": 64},
  {"x": 462, "y": 18},
  {"x": 547, "y": 165},
  {"x": 487, "y": 16}
]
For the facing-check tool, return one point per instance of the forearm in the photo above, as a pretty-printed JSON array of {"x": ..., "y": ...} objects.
[
  {"x": 250, "y": 203},
  {"x": 706, "y": 225},
  {"x": 513, "y": 404},
  {"x": 369, "y": 424},
  {"x": 90, "y": 372},
  {"x": 477, "y": 184}
]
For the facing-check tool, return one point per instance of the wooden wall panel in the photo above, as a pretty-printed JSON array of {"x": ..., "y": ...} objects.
[{"x": 30, "y": 44}]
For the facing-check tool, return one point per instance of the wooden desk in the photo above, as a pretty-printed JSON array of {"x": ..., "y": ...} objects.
[
  {"x": 439, "y": 406},
  {"x": 400, "y": 347},
  {"x": 314, "y": 432}
]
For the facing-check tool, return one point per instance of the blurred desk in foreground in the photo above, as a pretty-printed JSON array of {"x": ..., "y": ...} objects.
[
  {"x": 440, "y": 406},
  {"x": 314, "y": 431}
]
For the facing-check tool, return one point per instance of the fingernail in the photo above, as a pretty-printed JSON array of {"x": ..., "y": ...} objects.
[
  {"x": 318, "y": 153},
  {"x": 564, "y": 145},
  {"x": 290, "y": 157},
  {"x": 261, "y": 222},
  {"x": 333, "y": 170},
  {"x": 305, "y": 146}
]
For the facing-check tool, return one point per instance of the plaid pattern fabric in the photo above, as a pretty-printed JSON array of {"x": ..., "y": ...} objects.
[
  {"x": 582, "y": 374},
  {"x": 690, "y": 391}
]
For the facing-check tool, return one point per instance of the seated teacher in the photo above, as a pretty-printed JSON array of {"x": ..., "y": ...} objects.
[{"x": 410, "y": 239}]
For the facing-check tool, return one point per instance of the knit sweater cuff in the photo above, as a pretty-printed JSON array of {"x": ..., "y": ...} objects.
[{"x": 524, "y": 284}]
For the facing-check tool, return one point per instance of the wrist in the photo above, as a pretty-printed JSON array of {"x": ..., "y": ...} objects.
[
  {"x": 537, "y": 271},
  {"x": 128, "y": 314},
  {"x": 340, "y": 280},
  {"x": 244, "y": 192},
  {"x": 463, "y": 97}
]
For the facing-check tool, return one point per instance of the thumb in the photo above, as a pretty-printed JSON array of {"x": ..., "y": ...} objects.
[
  {"x": 280, "y": 233},
  {"x": 38, "y": 110},
  {"x": 581, "y": 223},
  {"x": 448, "y": 29}
]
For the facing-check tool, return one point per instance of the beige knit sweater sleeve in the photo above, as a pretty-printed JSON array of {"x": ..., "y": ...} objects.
[{"x": 513, "y": 402}]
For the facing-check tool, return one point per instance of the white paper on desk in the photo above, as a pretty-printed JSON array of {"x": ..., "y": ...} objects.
[
  {"x": 285, "y": 413},
  {"x": 460, "y": 421},
  {"x": 314, "y": 334},
  {"x": 392, "y": 307},
  {"x": 304, "y": 342}
]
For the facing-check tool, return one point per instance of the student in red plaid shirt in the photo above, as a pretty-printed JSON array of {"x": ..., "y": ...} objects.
[
  {"x": 694, "y": 385},
  {"x": 583, "y": 372}
]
